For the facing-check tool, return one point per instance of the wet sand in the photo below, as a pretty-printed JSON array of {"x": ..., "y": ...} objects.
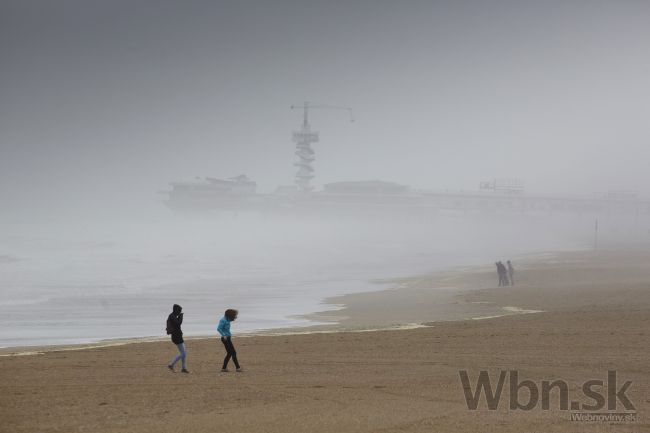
[{"x": 596, "y": 318}]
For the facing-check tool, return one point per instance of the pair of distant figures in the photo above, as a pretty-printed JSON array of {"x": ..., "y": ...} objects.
[
  {"x": 506, "y": 274},
  {"x": 174, "y": 322}
]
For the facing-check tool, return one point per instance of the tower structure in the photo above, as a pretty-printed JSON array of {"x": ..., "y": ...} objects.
[
  {"x": 304, "y": 139},
  {"x": 304, "y": 151}
]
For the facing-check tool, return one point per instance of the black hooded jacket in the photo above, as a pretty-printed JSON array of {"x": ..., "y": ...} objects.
[{"x": 176, "y": 319}]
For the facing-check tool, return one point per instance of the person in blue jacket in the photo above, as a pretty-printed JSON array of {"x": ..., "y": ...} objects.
[{"x": 226, "y": 338}]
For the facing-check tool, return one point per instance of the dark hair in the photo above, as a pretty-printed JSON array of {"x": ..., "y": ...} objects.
[{"x": 231, "y": 314}]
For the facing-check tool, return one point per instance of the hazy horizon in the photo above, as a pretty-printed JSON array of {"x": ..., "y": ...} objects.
[{"x": 105, "y": 103}]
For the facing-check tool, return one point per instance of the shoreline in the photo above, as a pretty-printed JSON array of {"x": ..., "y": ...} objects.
[{"x": 437, "y": 280}]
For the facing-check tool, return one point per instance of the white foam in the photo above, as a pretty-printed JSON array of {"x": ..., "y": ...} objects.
[{"x": 509, "y": 312}]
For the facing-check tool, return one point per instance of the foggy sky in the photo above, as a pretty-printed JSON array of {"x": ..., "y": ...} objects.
[{"x": 102, "y": 103}]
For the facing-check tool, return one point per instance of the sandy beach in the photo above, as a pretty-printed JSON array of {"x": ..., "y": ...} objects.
[{"x": 594, "y": 317}]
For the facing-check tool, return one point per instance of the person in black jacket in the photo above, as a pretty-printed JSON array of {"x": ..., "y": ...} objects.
[{"x": 174, "y": 322}]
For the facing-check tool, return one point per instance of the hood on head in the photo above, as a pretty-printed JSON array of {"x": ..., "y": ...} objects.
[{"x": 177, "y": 309}]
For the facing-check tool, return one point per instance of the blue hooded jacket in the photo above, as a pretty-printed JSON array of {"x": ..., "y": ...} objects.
[{"x": 224, "y": 327}]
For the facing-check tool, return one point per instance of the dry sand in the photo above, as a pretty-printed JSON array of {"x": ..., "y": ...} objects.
[{"x": 596, "y": 318}]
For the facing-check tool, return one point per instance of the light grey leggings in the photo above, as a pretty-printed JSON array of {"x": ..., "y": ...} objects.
[{"x": 181, "y": 356}]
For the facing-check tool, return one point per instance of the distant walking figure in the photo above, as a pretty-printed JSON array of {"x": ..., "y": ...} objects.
[
  {"x": 226, "y": 339},
  {"x": 504, "y": 271},
  {"x": 511, "y": 273},
  {"x": 174, "y": 321},
  {"x": 503, "y": 274}
]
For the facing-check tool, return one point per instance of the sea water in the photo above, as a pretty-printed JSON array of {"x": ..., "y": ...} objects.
[{"x": 66, "y": 282}]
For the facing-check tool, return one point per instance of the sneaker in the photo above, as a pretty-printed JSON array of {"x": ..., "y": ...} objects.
[
  {"x": 184, "y": 370},
  {"x": 240, "y": 370},
  {"x": 171, "y": 368},
  {"x": 224, "y": 370}
]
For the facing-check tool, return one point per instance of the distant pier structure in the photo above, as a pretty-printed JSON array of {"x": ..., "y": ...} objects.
[
  {"x": 495, "y": 196},
  {"x": 304, "y": 139}
]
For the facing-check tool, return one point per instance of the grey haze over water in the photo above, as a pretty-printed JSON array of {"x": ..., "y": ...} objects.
[
  {"x": 103, "y": 103},
  {"x": 92, "y": 282}
]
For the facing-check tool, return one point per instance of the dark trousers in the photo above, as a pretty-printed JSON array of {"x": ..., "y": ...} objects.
[{"x": 230, "y": 352}]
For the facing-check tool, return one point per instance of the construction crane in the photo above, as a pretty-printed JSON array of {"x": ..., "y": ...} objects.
[{"x": 304, "y": 139}]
